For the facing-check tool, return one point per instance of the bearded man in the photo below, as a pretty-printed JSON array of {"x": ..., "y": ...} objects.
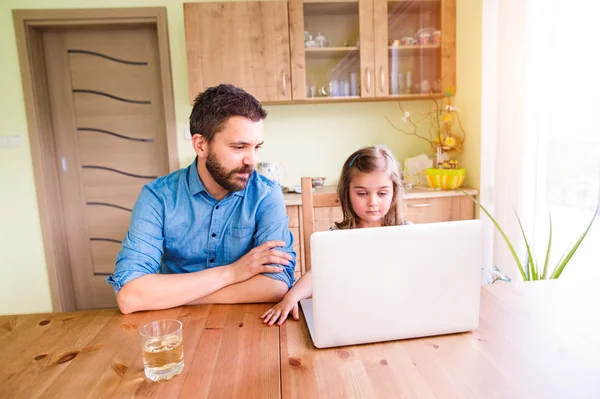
[{"x": 216, "y": 231}]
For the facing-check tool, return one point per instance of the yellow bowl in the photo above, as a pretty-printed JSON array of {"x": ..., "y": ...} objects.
[{"x": 446, "y": 179}]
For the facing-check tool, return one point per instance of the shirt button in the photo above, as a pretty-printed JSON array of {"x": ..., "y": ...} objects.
[
  {"x": 217, "y": 207},
  {"x": 212, "y": 261},
  {"x": 213, "y": 235}
]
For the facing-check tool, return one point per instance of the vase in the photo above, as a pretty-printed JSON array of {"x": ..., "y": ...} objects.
[{"x": 438, "y": 157}]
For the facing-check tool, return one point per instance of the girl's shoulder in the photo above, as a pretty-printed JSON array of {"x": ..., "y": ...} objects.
[
  {"x": 408, "y": 222},
  {"x": 333, "y": 228}
]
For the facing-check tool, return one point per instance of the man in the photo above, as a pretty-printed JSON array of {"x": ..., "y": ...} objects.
[{"x": 216, "y": 231}]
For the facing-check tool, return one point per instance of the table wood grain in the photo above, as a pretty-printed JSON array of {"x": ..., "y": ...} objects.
[
  {"x": 228, "y": 352},
  {"x": 535, "y": 340}
]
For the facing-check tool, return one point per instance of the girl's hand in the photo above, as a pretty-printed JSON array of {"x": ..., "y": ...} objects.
[{"x": 280, "y": 312}]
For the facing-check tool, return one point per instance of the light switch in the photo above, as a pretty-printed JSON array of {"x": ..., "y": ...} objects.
[
  {"x": 186, "y": 133},
  {"x": 11, "y": 141},
  {"x": 15, "y": 141}
]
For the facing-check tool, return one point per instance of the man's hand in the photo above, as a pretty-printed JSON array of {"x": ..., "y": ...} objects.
[{"x": 258, "y": 260}]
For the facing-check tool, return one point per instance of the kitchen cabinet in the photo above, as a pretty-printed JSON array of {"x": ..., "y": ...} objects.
[
  {"x": 306, "y": 51},
  {"x": 372, "y": 49},
  {"x": 242, "y": 43}
]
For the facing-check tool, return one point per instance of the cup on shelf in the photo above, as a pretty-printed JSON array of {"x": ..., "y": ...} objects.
[
  {"x": 334, "y": 88},
  {"x": 354, "y": 83},
  {"x": 321, "y": 40},
  {"x": 424, "y": 39},
  {"x": 346, "y": 88},
  {"x": 401, "y": 82},
  {"x": 407, "y": 41},
  {"x": 409, "y": 81}
]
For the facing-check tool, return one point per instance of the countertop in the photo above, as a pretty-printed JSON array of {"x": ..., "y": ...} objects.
[{"x": 292, "y": 199}]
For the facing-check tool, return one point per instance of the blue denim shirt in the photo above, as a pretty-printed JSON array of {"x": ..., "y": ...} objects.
[{"x": 178, "y": 227}]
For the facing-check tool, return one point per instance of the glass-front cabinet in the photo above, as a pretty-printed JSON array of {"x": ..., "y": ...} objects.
[
  {"x": 367, "y": 49},
  {"x": 332, "y": 49},
  {"x": 324, "y": 50},
  {"x": 414, "y": 47}
]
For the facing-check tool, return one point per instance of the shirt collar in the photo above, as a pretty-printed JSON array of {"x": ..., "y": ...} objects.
[
  {"x": 196, "y": 186},
  {"x": 194, "y": 182}
]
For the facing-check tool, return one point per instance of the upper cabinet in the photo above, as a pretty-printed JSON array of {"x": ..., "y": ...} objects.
[
  {"x": 243, "y": 43},
  {"x": 415, "y": 47},
  {"x": 332, "y": 50},
  {"x": 308, "y": 51}
]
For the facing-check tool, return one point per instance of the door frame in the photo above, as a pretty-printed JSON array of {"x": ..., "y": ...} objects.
[{"x": 29, "y": 27}]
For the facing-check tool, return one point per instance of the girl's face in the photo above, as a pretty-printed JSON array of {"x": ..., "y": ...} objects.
[{"x": 371, "y": 196}]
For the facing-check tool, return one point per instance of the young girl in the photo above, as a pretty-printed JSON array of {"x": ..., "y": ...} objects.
[{"x": 370, "y": 193}]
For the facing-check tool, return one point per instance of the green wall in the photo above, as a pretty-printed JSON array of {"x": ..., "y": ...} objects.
[{"x": 311, "y": 140}]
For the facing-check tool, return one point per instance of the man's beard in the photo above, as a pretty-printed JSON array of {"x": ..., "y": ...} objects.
[{"x": 227, "y": 179}]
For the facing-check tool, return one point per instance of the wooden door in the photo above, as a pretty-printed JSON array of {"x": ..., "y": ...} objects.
[
  {"x": 110, "y": 136},
  {"x": 243, "y": 43}
]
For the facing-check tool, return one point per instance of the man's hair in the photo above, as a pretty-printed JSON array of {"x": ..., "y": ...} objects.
[
  {"x": 367, "y": 160},
  {"x": 213, "y": 107}
]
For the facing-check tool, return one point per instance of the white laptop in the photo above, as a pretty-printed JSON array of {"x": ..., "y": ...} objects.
[{"x": 388, "y": 283}]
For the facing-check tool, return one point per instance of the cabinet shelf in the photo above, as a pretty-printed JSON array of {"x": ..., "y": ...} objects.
[
  {"x": 328, "y": 51},
  {"x": 414, "y": 48}
]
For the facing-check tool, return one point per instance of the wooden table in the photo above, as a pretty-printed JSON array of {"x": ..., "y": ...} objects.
[{"x": 535, "y": 340}]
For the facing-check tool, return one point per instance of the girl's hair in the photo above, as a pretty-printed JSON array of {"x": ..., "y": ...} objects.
[{"x": 366, "y": 160}]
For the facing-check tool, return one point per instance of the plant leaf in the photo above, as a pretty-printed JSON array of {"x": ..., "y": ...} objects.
[
  {"x": 510, "y": 247},
  {"x": 561, "y": 265},
  {"x": 545, "y": 271},
  {"x": 532, "y": 266}
]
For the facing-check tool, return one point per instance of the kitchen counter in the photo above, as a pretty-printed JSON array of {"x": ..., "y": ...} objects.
[{"x": 418, "y": 192}]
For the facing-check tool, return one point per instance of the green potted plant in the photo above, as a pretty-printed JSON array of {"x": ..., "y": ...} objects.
[{"x": 531, "y": 269}]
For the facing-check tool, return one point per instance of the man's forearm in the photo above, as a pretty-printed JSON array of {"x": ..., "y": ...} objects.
[
  {"x": 258, "y": 289},
  {"x": 162, "y": 291}
]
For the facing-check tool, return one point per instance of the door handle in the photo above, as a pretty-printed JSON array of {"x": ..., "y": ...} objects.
[
  {"x": 63, "y": 163},
  {"x": 382, "y": 75},
  {"x": 283, "y": 83},
  {"x": 368, "y": 72}
]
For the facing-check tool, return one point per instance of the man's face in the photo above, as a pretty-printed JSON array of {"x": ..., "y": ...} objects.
[{"x": 231, "y": 156}]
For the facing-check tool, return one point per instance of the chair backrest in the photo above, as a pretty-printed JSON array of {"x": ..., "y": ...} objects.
[{"x": 319, "y": 199}]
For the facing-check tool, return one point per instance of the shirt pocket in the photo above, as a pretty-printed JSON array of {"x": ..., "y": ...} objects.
[
  {"x": 238, "y": 241},
  {"x": 241, "y": 231}
]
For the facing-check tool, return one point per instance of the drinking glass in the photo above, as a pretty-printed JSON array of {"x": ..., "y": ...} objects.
[{"x": 162, "y": 349}]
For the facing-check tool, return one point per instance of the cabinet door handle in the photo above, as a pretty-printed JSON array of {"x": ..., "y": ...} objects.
[
  {"x": 368, "y": 80},
  {"x": 426, "y": 205},
  {"x": 382, "y": 78},
  {"x": 283, "y": 83}
]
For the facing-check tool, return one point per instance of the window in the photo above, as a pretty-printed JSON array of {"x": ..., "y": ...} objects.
[{"x": 567, "y": 99}]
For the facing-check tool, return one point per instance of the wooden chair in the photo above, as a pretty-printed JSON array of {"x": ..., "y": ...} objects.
[{"x": 322, "y": 198}]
